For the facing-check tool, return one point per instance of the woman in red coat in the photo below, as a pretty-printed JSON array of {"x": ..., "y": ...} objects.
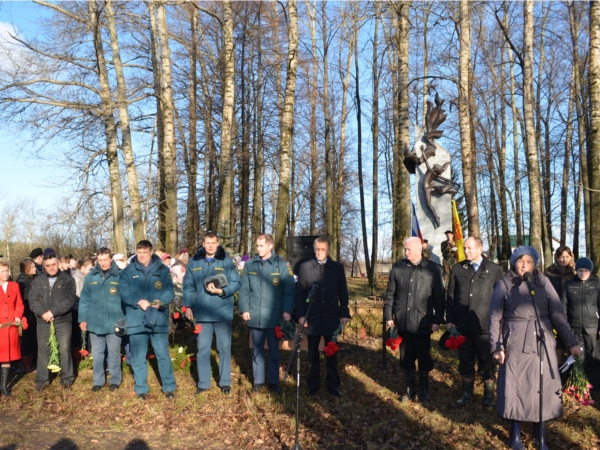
[{"x": 11, "y": 312}]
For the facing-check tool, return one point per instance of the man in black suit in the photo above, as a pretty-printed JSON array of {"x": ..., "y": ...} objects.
[
  {"x": 329, "y": 309},
  {"x": 467, "y": 308},
  {"x": 414, "y": 303}
]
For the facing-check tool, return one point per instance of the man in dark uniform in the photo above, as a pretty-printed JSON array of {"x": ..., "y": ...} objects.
[
  {"x": 415, "y": 297},
  {"x": 37, "y": 256},
  {"x": 329, "y": 309},
  {"x": 449, "y": 249},
  {"x": 467, "y": 308}
]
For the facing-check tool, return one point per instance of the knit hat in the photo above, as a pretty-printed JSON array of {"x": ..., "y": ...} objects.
[
  {"x": 522, "y": 251},
  {"x": 36, "y": 252},
  {"x": 48, "y": 251},
  {"x": 584, "y": 263}
]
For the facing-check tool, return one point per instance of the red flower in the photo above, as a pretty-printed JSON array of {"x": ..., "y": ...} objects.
[
  {"x": 453, "y": 342},
  {"x": 393, "y": 343},
  {"x": 198, "y": 329},
  {"x": 176, "y": 315},
  {"x": 24, "y": 323},
  {"x": 84, "y": 352},
  {"x": 183, "y": 309},
  {"x": 278, "y": 332},
  {"x": 331, "y": 349},
  {"x": 183, "y": 363},
  {"x": 151, "y": 356}
]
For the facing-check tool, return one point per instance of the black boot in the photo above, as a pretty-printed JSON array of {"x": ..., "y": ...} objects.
[
  {"x": 536, "y": 433},
  {"x": 411, "y": 386},
  {"x": 515, "y": 436},
  {"x": 467, "y": 392},
  {"x": 488, "y": 394},
  {"x": 4, "y": 381},
  {"x": 424, "y": 387}
]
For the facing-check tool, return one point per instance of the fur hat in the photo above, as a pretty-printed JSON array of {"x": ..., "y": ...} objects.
[{"x": 36, "y": 252}]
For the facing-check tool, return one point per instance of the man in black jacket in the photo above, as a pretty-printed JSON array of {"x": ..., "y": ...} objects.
[
  {"x": 415, "y": 297},
  {"x": 51, "y": 298},
  {"x": 467, "y": 308},
  {"x": 581, "y": 301},
  {"x": 329, "y": 309}
]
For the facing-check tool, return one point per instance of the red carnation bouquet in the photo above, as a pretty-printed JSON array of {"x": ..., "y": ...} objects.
[
  {"x": 578, "y": 385},
  {"x": 83, "y": 350},
  {"x": 393, "y": 341},
  {"x": 332, "y": 348},
  {"x": 180, "y": 312},
  {"x": 278, "y": 332},
  {"x": 455, "y": 340}
]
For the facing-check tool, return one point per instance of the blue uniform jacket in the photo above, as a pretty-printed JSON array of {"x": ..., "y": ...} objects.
[
  {"x": 137, "y": 285},
  {"x": 100, "y": 300},
  {"x": 268, "y": 290},
  {"x": 209, "y": 307}
]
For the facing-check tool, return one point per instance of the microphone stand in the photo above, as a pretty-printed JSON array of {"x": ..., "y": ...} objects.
[
  {"x": 541, "y": 338},
  {"x": 296, "y": 351}
]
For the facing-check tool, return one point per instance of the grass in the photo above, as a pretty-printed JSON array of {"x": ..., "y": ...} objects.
[{"x": 368, "y": 416}]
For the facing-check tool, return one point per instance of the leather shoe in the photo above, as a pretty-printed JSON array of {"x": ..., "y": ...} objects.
[
  {"x": 170, "y": 394},
  {"x": 200, "y": 390},
  {"x": 257, "y": 387},
  {"x": 274, "y": 388},
  {"x": 96, "y": 388},
  {"x": 226, "y": 390},
  {"x": 141, "y": 396},
  {"x": 113, "y": 387},
  {"x": 335, "y": 392}
]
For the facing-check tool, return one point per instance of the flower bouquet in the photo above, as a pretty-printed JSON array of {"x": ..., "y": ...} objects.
[
  {"x": 180, "y": 312},
  {"x": 455, "y": 340},
  {"x": 54, "y": 361},
  {"x": 393, "y": 341},
  {"x": 332, "y": 348},
  {"x": 83, "y": 350},
  {"x": 578, "y": 385}
]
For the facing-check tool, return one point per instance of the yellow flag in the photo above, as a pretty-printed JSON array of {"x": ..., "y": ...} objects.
[{"x": 458, "y": 235}]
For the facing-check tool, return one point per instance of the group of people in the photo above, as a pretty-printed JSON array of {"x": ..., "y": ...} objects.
[{"x": 497, "y": 313}]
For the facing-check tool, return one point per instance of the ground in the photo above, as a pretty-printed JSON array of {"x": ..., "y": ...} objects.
[{"x": 368, "y": 416}]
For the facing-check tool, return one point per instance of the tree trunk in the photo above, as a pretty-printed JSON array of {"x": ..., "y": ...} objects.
[
  {"x": 535, "y": 200},
  {"x": 112, "y": 155},
  {"x": 258, "y": 152},
  {"x": 244, "y": 191},
  {"x": 564, "y": 191},
  {"x": 314, "y": 155},
  {"x": 224, "y": 225},
  {"x": 193, "y": 216},
  {"x": 327, "y": 133},
  {"x": 132, "y": 181},
  {"x": 286, "y": 129},
  {"x": 168, "y": 116},
  {"x": 375, "y": 138},
  {"x": 594, "y": 137},
  {"x": 467, "y": 152}
]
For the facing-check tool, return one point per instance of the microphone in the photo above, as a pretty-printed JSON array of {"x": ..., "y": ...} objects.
[
  {"x": 313, "y": 291},
  {"x": 529, "y": 280}
]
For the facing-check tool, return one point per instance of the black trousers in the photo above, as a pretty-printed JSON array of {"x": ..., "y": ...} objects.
[
  {"x": 416, "y": 347},
  {"x": 313, "y": 375},
  {"x": 591, "y": 358},
  {"x": 63, "y": 336},
  {"x": 476, "y": 349}
]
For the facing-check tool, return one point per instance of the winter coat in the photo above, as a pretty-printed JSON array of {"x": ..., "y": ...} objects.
[
  {"x": 330, "y": 303},
  {"x": 415, "y": 296},
  {"x": 209, "y": 307},
  {"x": 581, "y": 303},
  {"x": 513, "y": 329},
  {"x": 11, "y": 307},
  {"x": 100, "y": 301},
  {"x": 469, "y": 295},
  {"x": 25, "y": 282},
  {"x": 59, "y": 300},
  {"x": 559, "y": 275},
  {"x": 138, "y": 285},
  {"x": 268, "y": 290}
]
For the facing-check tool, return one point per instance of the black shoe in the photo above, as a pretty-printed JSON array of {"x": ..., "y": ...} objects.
[
  {"x": 312, "y": 391},
  {"x": 424, "y": 387},
  {"x": 113, "y": 387},
  {"x": 226, "y": 390},
  {"x": 170, "y": 395},
  {"x": 96, "y": 388},
  {"x": 411, "y": 386},
  {"x": 467, "y": 393},
  {"x": 257, "y": 387},
  {"x": 141, "y": 396},
  {"x": 335, "y": 392},
  {"x": 274, "y": 388},
  {"x": 200, "y": 390},
  {"x": 41, "y": 387}
]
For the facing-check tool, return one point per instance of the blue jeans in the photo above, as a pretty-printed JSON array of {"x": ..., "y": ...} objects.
[
  {"x": 139, "y": 349},
  {"x": 222, "y": 332},
  {"x": 258, "y": 355},
  {"x": 102, "y": 344}
]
